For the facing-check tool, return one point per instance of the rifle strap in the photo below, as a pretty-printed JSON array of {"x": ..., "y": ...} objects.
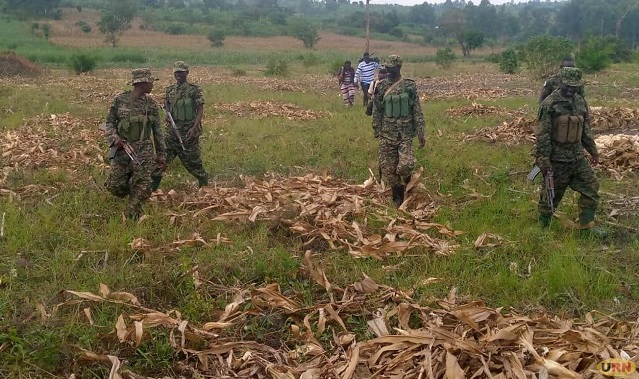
[{"x": 394, "y": 85}]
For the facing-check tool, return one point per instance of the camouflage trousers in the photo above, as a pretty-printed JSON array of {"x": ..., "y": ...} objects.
[
  {"x": 396, "y": 160},
  {"x": 191, "y": 156},
  {"x": 129, "y": 179},
  {"x": 581, "y": 178}
]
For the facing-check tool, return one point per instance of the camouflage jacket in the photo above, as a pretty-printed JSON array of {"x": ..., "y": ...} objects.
[
  {"x": 551, "y": 84},
  {"x": 397, "y": 128},
  {"x": 547, "y": 149},
  {"x": 179, "y": 92},
  {"x": 123, "y": 106}
]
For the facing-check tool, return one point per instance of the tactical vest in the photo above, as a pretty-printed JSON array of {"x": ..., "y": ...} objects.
[
  {"x": 183, "y": 108},
  {"x": 567, "y": 129},
  {"x": 135, "y": 128},
  {"x": 397, "y": 105}
]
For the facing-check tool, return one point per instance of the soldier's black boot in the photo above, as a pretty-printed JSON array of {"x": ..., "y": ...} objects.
[
  {"x": 155, "y": 182},
  {"x": 544, "y": 221},
  {"x": 407, "y": 179},
  {"x": 203, "y": 181},
  {"x": 398, "y": 195}
]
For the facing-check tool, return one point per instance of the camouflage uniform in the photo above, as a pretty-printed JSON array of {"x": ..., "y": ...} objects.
[
  {"x": 182, "y": 101},
  {"x": 563, "y": 133},
  {"x": 552, "y": 83},
  {"x": 397, "y": 118},
  {"x": 134, "y": 120}
]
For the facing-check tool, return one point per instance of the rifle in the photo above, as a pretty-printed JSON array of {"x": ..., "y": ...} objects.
[
  {"x": 128, "y": 149},
  {"x": 549, "y": 180},
  {"x": 174, "y": 127}
]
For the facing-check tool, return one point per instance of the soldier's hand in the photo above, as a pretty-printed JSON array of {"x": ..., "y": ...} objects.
[
  {"x": 194, "y": 132},
  {"x": 422, "y": 142},
  {"x": 117, "y": 142},
  {"x": 594, "y": 160},
  {"x": 161, "y": 162}
]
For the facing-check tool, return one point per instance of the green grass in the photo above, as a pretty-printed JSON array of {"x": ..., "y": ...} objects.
[{"x": 45, "y": 234}]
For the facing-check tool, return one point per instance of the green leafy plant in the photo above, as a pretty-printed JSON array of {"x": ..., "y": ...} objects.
[
  {"x": 217, "y": 37},
  {"x": 277, "y": 67},
  {"x": 81, "y": 63},
  {"x": 508, "y": 62},
  {"x": 445, "y": 58},
  {"x": 543, "y": 54}
]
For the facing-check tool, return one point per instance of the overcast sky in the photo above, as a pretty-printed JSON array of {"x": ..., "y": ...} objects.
[{"x": 413, "y": 2}]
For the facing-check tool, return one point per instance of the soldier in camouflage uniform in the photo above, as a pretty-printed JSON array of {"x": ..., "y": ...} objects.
[
  {"x": 185, "y": 101},
  {"x": 134, "y": 118},
  {"x": 563, "y": 133},
  {"x": 397, "y": 118},
  {"x": 552, "y": 83}
]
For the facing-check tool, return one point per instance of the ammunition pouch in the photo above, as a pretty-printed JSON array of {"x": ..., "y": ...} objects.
[
  {"x": 567, "y": 129},
  {"x": 134, "y": 128},
  {"x": 397, "y": 105},
  {"x": 184, "y": 109}
]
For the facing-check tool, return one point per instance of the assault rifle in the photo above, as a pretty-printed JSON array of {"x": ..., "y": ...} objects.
[
  {"x": 128, "y": 149},
  {"x": 549, "y": 180},
  {"x": 174, "y": 127}
]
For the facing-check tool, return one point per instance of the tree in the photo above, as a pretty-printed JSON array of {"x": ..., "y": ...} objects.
[
  {"x": 116, "y": 18},
  {"x": 43, "y": 8},
  {"x": 423, "y": 14},
  {"x": 543, "y": 54},
  {"x": 306, "y": 32},
  {"x": 472, "y": 40}
]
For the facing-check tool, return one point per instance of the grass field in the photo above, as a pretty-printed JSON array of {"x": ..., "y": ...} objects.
[{"x": 63, "y": 231}]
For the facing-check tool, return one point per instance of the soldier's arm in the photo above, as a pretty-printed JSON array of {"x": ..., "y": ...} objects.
[
  {"x": 587, "y": 140},
  {"x": 545, "y": 91},
  {"x": 378, "y": 109},
  {"x": 111, "y": 132},
  {"x": 543, "y": 146},
  {"x": 198, "y": 97},
  {"x": 581, "y": 91},
  {"x": 158, "y": 133},
  {"x": 418, "y": 115}
]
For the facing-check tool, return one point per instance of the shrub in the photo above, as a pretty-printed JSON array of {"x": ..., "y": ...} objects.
[
  {"x": 595, "y": 55},
  {"x": 238, "y": 72},
  {"x": 129, "y": 57},
  {"x": 46, "y": 30},
  {"x": 277, "y": 67},
  {"x": 543, "y": 54},
  {"x": 176, "y": 29},
  {"x": 509, "y": 63},
  {"x": 397, "y": 32},
  {"x": 304, "y": 31},
  {"x": 216, "y": 37},
  {"x": 82, "y": 63},
  {"x": 309, "y": 60},
  {"x": 493, "y": 58},
  {"x": 445, "y": 58},
  {"x": 335, "y": 66},
  {"x": 86, "y": 28}
]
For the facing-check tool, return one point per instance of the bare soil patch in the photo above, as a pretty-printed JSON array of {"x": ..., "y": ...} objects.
[{"x": 12, "y": 65}]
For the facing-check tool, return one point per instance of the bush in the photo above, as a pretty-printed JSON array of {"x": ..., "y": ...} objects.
[
  {"x": 82, "y": 63},
  {"x": 509, "y": 63},
  {"x": 397, "y": 32},
  {"x": 445, "y": 58},
  {"x": 176, "y": 29},
  {"x": 335, "y": 66},
  {"x": 217, "y": 37},
  {"x": 595, "y": 55},
  {"x": 309, "y": 60},
  {"x": 543, "y": 54},
  {"x": 46, "y": 30},
  {"x": 304, "y": 31},
  {"x": 277, "y": 67},
  {"x": 493, "y": 58},
  {"x": 86, "y": 28}
]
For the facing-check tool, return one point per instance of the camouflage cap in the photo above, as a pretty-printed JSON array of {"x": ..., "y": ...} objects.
[
  {"x": 180, "y": 66},
  {"x": 393, "y": 60},
  {"x": 571, "y": 76},
  {"x": 142, "y": 75}
]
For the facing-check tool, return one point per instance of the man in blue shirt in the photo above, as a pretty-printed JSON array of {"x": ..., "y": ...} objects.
[{"x": 365, "y": 74}]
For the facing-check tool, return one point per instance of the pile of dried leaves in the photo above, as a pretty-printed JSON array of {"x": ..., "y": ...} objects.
[
  {"x": 515, "y": 131},
  {"x": 619, "y": 153},
  {"x": 476, "y": 109},
  {"x": 455, "y": 339},
  {"x": 12, "y": 64},
  {"x": 603, "y": 118},
  {"x": 54, "y": 142},
  {"x": 262, "y": 109},
  {"x": 324, "y": 211}
]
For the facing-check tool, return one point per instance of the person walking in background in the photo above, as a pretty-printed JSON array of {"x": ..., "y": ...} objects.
[
  {"x": 563, "y": 134},
  {"x": 552, "y": 83},
  {"x": 185, "y": 103},
  {"x": 397, "y": 119},
  {"x": 132, "y": 130},
  {"x": 346, "y": 81},
  {"x": 365, "y": 74}
]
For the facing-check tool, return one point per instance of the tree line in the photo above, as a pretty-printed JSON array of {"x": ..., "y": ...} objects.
[{"x": 466, "y": 23}]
